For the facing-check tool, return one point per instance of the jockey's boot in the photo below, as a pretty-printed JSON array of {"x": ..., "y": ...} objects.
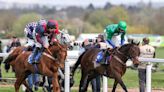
[
  {"x": 34, "y": 54},
  {"x": 39, "y": 54},
  {"x": 103, "y": 61}
]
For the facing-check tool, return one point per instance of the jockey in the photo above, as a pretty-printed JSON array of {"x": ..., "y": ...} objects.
[
  {"x": 43, "y": 33},
  {"x": 28, "y": 31},
  {"x": 113, "y": 31}
]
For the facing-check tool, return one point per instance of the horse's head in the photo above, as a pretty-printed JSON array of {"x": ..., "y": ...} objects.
[
  {"x": 59, "y": 52},
  {"x": 132, "y": 52},
  {"x": 64, "y": 38}
]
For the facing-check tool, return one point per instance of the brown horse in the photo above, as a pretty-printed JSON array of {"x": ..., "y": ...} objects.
[
  {"x": 48, "y": 65},
  {"x": 115, "y": 69}
]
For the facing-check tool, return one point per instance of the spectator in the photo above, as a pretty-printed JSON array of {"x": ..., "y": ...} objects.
[
  {"x": 96, "y": 82},
  {"x": 147, "y": 51},
  {"x": 14, "y": 43}
]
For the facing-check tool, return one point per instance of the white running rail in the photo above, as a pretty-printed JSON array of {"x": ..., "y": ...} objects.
[{"x": 105, "y": 87}]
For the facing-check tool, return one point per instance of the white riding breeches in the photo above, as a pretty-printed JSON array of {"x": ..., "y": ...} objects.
[
  {"x": 116, "y": 41},
  {"x": 25, "y": 32},
  {"x": 30, "y": 42}
]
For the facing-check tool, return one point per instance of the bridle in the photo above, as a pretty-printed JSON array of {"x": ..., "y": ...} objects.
[{"x": 122, "y": 54}]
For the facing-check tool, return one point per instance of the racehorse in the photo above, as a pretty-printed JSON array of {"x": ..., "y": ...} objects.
[
  {"x": 115, "y": 69},
  {"x": 48, "y": 65},
  {"x": 64, "y": 38}
]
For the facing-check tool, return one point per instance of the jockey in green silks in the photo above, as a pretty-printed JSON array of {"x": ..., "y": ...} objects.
[{"x": 113, "y": 30}]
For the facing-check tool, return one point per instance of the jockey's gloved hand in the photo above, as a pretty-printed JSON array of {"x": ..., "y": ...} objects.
[
  {"x": 46, "y": 46},
  {"x": 111, "y": 43},
  {"x": 122, "y": 42}
]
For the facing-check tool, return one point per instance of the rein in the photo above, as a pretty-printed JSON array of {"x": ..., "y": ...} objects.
[
  {"x": 50, "y": 56},
  {"x": 49, "y": 51},
  {"x": 118, "y": 59}
]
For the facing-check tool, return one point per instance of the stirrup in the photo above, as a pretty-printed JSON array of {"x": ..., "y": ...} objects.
[{"x": 36, "y": 62}]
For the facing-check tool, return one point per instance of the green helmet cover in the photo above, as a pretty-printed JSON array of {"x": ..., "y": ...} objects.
[{"x": 122, "y": 25}]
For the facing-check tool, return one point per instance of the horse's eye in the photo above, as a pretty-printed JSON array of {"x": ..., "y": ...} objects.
[{"x": 55, "y": 56}]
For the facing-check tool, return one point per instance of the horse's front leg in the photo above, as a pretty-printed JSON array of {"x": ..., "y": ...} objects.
[
  {"x": 114, "y": 86},
  {"x": 19, "y": 81},
  {"x": 55, "y": 83},
  {"x": 119, "y": 80}
]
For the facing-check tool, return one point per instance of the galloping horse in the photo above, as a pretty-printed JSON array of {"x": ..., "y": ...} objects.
[
  {"x": 48, "y": 65},
  {"x": 63, "y": 38},
  {"x": 115, "y": 69}
]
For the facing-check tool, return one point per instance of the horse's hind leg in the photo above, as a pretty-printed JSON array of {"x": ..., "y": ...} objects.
[
  {"x": 83, "y": 82},
  {"x": 19, "y": 81},
  {"x": 114, "y": 86}
]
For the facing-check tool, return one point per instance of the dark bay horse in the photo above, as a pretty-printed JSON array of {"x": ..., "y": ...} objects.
[
  {"x": 48, "y": 65},
  {"x": 115, "y": 69}
]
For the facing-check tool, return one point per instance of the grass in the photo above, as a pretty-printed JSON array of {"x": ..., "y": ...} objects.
[{"x": 130, "y": 78}]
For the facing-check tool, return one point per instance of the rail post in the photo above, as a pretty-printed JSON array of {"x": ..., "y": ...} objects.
[
  {"x": 105, "y": 84},
  {"x": 67, "y": 77},
  {"x": 148, "y": 77}
]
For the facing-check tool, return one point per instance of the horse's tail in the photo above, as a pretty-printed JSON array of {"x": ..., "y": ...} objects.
[{"x": 77, "y": 64}]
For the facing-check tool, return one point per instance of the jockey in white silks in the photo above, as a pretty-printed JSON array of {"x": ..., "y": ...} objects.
[{"x": 29, "y": 32}]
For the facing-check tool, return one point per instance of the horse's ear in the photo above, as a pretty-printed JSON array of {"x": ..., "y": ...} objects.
[
  {"x": 138, "y": 43},
  {"x": 132, "y": 42},
  {"x": 135, "y": 42}
]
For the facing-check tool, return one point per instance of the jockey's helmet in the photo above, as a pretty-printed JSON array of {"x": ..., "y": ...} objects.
[
  {"x": 122, "y": 26},
  {"x": 52, "y": 24}
]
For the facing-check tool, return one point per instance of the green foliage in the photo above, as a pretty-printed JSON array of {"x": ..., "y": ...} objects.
[
  {"x": 98, "y": 17},
  {"x": 78, "y": 20},
  {"x": 115, "y": 14},
  {"x": 19, "y": 25},
  {"x": 138, "y": 29}
]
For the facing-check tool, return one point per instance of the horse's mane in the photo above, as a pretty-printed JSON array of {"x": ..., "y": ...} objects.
[
  {"x": 129, "y": 44},
  {"x": 58, "y": 45}
]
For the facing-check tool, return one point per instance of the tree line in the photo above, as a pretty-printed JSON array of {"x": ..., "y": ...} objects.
[{"x": 140, "y": 20}]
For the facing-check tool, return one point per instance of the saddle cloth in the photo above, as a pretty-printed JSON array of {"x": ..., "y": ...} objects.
[
  {"x": 101, "y": 58},
  {"x": 36, "y": 58}
]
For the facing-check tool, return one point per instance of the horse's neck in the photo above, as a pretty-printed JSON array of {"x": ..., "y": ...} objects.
[
  {"x": 124, "y": 49},
  {"x": 122, "y": 54}
]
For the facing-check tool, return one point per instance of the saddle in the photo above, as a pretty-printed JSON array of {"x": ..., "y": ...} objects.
[{"x": 103, "y": 56}]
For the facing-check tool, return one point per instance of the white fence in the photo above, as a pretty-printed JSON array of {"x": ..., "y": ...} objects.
[{"x": 105, "y": 87}]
